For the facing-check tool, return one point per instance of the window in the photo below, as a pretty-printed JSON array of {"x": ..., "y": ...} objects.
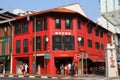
[
  {"x": 57, "y": 42},
  {"x": 45, "y": 43},
  {"x": 38, "y": 43},
  {"x": 79, "y": 24},
  {"x": 45, "y": 24},
  {"x": 57, "y": 23},
  {"x": 97, "y": 45},
  {"x": 63, "y": 42},
  {"x": 81, "y": 43},
  {"x": 18, "y": 46},
  {"x": 101, "y": 34},
  {"x": 102, "y": 46},
  {"x": 89, "y": 27},
  {"x": 96, "y": 32},
  {"x": 39, "y": 25},
  {"x": 21, "y": 28},
  {"x": 89, "y": 43},
  {"x": 25, "y": 45},
  {"x": 24, "y": 27},
  {"x": 68, "y": 42},
  {"x": 118, "y": 2},
  {"x": 68, "y": 24},
  {"x": 17, "y": 29}
]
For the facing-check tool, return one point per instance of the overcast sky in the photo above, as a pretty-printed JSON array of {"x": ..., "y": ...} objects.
[{"x": 91, "y": 7}]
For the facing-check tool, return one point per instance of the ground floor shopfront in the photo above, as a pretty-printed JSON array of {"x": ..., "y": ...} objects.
[
  {"x": 5, "y": 64},
  {"x": 51, "y": 64}
]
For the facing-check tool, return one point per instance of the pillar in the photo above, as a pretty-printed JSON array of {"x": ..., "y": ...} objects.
[
  {"x": 50, "y": 65},
  {"x": 13, "y": 65},
  {"x": 30, "y": 64}
]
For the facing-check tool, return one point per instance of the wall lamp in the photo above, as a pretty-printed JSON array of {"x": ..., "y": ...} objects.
[
  {"x": 79, "y": 39},
  {"x": 47, "y": 39}
]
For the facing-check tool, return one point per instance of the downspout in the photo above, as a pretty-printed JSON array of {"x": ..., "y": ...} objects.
[
  {"x": 10, "y": 46},
  {"x": 35, "y": 45}
]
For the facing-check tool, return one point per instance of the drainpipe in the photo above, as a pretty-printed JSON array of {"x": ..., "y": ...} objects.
[
  {"x": 10, "y": 46},
  {"x": 35, "y": 45}
]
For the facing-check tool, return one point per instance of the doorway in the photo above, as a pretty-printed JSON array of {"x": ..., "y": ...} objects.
[{"x": 60, "y": 61}]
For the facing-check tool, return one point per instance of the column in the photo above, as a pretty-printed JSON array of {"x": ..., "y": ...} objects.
[
  {"x": 13, "y": 65},
  {"x": 50, "y": 65},
  {"x": 30, "y": 64}
]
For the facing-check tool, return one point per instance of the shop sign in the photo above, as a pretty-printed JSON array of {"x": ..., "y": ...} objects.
[
  {"x": 4, "y": 39},
  {"x": 47, "y": 56}
]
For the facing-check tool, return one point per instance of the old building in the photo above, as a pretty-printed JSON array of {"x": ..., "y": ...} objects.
[
  {"x": 46, "y": 39},
  {"x": 6, "y": 39}
]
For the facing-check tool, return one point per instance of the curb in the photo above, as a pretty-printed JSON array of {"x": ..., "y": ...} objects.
[{"x": 27, "y": 76}]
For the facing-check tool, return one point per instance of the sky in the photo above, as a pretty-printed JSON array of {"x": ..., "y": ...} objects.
[{"x": 90, "y": 7}]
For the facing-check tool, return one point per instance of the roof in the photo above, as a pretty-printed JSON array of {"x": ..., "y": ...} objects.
[
  {"x": 75, "y": 7},
  {"x": 6, "y": 15},
  {"x": 113, "y": 17},
  {"x": 1, "y": 9},
  {"x": 59, "y": 10}
]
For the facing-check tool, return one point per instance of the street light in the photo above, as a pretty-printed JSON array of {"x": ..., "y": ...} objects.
[{"x": 79, "y": 40}]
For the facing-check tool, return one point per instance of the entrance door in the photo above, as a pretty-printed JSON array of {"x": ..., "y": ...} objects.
[
  {"x": 60, "y": 61},
  {"x": 40, "y": 65}
]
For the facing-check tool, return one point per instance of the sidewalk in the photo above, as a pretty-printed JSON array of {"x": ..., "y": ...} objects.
[
  {"x": 85, "y": 77},
  {"x": 29, "y": 76}
]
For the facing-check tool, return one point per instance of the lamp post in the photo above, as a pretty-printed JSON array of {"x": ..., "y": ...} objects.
[
  {"x": 46, "y": 40},
  {"x": 79, "y": 40}
]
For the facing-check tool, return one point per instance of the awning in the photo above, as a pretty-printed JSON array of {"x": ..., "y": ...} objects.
[
  {"x": 96, "y": 59},
  {"x": 5, "y": 57},
  {"x": 113, "y": 17}
]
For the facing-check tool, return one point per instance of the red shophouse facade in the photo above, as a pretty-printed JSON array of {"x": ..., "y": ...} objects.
[{"x": 57, "y": 32}]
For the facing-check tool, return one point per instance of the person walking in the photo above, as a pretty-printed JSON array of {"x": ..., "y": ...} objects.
[
  {"x": 69, "y": 68},
  {"x": 26, "y": 68},
  {"x": 62, "y": 69},
  {"x": 72, "y": 69},
  {"x": 66, "y": 69}
]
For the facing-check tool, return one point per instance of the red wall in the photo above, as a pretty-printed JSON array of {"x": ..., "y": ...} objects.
[{"x": 50, "y": 32}]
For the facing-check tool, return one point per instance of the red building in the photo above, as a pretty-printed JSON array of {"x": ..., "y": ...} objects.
[{"x": 50, "y": 38}]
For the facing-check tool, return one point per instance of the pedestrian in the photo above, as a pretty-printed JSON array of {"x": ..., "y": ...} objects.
[
  {"x": 66, "y": 69},
  {"x": 0, "y": 69},
  {"x": 72, "y": 69},
  {"x": 69, "y": 68},
  {"x": 62, "y": 69},
  {"x": 21, "y": 68},
  {"x": 26, "y": 68}
]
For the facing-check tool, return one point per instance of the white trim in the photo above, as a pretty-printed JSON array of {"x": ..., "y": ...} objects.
[
  {"x": 31, "y": 76},
  {"x": 39, "y": 54},
  {"x": 10, "y": 75},
  {"x": 44, "y": 76},
  {"x": 1, "y": 22}
]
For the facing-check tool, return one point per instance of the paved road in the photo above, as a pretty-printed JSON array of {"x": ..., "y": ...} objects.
[{"x": 65, "y": 78}]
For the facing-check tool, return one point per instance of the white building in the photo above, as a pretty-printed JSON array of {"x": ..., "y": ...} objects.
[{"x": 107, "y": 6}]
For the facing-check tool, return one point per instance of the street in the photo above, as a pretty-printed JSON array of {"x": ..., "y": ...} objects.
[{"x": 60, "y": 78}]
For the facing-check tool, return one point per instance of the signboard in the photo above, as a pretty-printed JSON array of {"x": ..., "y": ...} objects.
[
  {"x": 47, "y": 56},
  {"x": 4, "y": 39}
]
